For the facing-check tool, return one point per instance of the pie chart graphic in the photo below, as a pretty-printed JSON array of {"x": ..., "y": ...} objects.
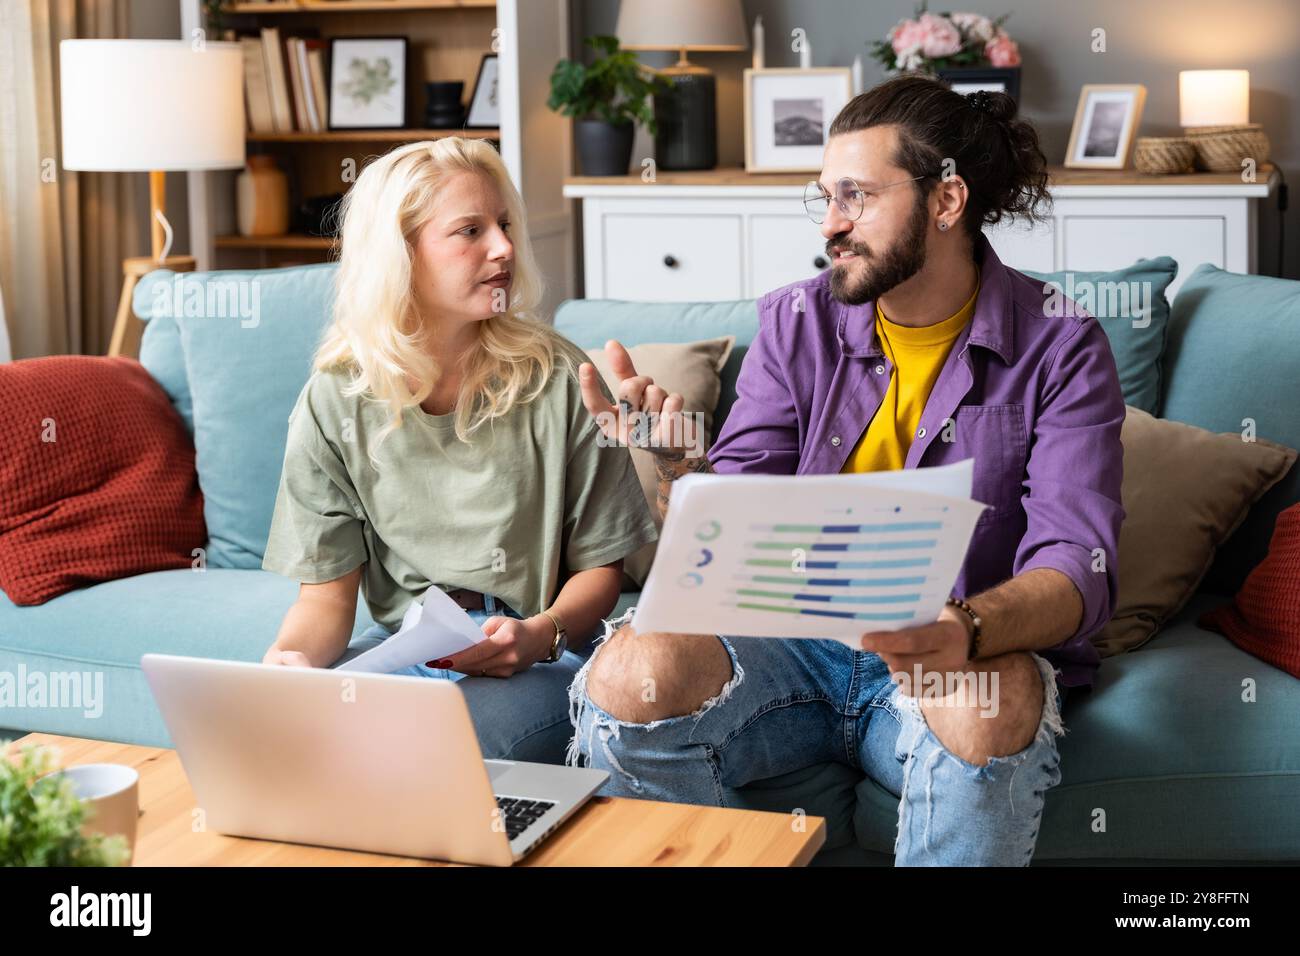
[
  {"x": 690, "y": 580},
  {"x": 701, "y": 557},
  {"x": 708, "y": 531}
]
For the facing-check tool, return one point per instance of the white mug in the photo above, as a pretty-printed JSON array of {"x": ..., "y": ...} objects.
[{"x": 111, "y": 794}]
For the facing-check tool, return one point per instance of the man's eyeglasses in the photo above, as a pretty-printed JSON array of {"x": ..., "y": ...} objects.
[{"x": 849, "y": 197}]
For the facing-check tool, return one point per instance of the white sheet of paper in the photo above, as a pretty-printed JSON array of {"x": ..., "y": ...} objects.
[
  {"x": 825, "y": 556},
  {"x": 433, "y": 627}
]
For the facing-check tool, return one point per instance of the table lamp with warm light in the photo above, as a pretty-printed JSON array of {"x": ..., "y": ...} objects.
[
  {"x": 1214, "y": 111},
  {"x": 150, "y": 106},
  {"x": 687, "y": 114},
  {"x": 1213, "y": 98}
]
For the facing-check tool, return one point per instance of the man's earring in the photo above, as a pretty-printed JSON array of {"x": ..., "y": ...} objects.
[{"x": 943, "y": 227}]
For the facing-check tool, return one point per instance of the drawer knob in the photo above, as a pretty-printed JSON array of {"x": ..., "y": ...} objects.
[
  {"x": 821, "y": 262},
  {"x": 670, "y": 262}
]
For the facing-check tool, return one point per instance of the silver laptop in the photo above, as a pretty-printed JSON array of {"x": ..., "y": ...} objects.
[{"x": 372, "y": 762}]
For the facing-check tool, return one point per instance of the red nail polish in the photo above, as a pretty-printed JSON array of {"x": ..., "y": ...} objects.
[{"x": 443, "y": 664}]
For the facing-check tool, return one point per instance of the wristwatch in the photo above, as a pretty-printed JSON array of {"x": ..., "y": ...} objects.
[{"x": 561, "y": 642}]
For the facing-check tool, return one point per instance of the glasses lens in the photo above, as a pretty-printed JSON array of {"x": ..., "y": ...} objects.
[
  {"x": 849, "y": 197},
  {"x": 815, "y": 201}
]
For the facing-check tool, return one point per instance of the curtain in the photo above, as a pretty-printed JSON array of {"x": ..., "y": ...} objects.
[{"x": 63, "y": 235}]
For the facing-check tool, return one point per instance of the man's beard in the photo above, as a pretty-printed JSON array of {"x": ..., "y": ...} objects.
[{"x": 880, "y": 273}]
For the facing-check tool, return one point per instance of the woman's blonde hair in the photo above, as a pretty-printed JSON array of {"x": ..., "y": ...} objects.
[{"x": 376, "y": 333}]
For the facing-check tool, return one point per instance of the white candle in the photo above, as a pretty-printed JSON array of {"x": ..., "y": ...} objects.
[
  {"x": 857, "y": 74},
  {"x": 758, "y": 43},
  {"x": 805, "y": 54}
]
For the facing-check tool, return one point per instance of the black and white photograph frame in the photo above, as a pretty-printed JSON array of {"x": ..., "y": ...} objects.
[
  {"x": 367, "y": 82},
  {"x": 968, "y": 80},
  {"x": 788, "y": 116},
  {"x": 1105, "y": 125},
  {"x": 485, "y": 103}
]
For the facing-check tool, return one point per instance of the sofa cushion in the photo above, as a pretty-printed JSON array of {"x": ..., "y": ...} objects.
[
  {"x": 1185, "y": 491},
  {"x": 691, "y": 370},
  {"x": 1131, "y": 306},
  {"x": 590, "y": 323},
  {"x": 1231, "y": 366},
  {"x": 104, "y": 630},
  {"x": 1189, "y": 722},
  {"x": 161, "y": 355},
  {"x": 1264, "y": 618},
  {"x": 247, "y": 340},
  {"x": 97, "y": 476}
]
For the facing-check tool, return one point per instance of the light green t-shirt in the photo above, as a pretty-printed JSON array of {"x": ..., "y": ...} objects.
[{"x": 534, "y": 495}]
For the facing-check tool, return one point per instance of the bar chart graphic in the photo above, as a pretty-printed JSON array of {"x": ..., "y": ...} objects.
[{"x": 827, "y": 556}]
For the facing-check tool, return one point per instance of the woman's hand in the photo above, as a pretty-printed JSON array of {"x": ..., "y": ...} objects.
[
  {"x": 511, "y": 646},
  {"x": 318, "y": 625},
  {"x": 286, "y": 658}
]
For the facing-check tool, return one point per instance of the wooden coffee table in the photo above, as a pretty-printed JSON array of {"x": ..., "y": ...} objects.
[{"x": 607, "y": 831}]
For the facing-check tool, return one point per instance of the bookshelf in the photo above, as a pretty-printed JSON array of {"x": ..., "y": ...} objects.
[
  {"x": 447, "y": 40},
  {"x": 371, "y": 136},
  {"x": 360, "y": 6}
]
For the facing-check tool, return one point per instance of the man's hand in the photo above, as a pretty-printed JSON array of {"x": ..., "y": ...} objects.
[
  {"x": 646, "y": 416},
  {"x": 940, "y": 646},
  {"x": 511, "y": 646}
]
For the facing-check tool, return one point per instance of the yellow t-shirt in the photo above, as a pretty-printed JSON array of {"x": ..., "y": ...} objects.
[{"x": 918, "y": 356}]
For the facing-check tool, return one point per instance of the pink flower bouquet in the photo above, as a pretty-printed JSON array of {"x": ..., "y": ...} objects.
[{"x": 938, "y": 41}]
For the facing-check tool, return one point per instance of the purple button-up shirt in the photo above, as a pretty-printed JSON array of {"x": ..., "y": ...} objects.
[{"x": 1032, "y": 394}]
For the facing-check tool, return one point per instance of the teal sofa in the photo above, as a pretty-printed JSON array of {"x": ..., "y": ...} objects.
[{"x": 1184, "y": 771}]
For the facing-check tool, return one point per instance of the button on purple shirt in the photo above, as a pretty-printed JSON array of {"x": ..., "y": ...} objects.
[{"x": 1033, "y": 397}]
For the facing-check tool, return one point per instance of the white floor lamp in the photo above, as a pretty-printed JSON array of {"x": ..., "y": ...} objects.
[{"x": 150, "y": 106}]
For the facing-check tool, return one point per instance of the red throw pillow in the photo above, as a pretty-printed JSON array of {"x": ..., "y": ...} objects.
[
  {"x": 97, "y": 476},
  {"x": 1264, "y": 618}
]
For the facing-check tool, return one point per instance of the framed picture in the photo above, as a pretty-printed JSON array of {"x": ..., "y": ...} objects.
[
  {"x": 1105, "y": 125},
  {"x": 485, "y": 104},
  {"x": 367, "y": 83},
  {"x": 993, "y": 79},
  {"x": 788, "y": 115}
]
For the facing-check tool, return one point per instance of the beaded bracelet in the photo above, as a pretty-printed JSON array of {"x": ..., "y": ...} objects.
[{"x": 973, "y": 650}]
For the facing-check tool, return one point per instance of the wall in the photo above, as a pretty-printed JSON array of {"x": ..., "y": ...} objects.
[{"x": 1147, "y": 41}]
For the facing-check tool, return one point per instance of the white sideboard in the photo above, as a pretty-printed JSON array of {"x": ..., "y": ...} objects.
[{"x": 723, "y": 234}]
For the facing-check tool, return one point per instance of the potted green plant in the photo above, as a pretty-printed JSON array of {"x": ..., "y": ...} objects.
[
  {"x": 606, "y": 98},
  {"x": 41, "y": 818}
]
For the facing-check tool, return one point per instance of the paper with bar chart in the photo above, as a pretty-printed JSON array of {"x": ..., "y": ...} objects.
[{"x": 825, "y": 556}]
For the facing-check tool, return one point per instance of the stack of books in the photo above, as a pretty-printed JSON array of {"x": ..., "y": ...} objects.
[{"x": 284, "y": 83}]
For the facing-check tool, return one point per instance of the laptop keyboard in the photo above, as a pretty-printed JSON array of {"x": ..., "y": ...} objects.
[{"x": 519, "y": 814}]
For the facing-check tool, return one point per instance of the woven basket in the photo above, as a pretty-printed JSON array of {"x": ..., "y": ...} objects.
[
  {"x": 1164, "y": 155},
  {"x": 1221, "y": 149}
]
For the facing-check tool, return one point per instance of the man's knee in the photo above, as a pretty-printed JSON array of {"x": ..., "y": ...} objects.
[
  {"x": 976, "y": 732},
  {"x": 643, "y": 677}
]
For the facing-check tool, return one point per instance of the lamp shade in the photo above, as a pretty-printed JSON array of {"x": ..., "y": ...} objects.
[
  {"x": 1214, "y": 97},
  {"x": 141, "y": 105},
  {"x": 682, "y": 25}
]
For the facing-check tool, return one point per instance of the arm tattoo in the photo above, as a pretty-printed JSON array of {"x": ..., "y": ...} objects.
[{"x": 668, "y": 468}]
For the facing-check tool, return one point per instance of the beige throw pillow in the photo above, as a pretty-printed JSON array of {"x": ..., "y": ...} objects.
[
  {"x": 691, "y": 368},
  {"x": 1185, "y": 491}
]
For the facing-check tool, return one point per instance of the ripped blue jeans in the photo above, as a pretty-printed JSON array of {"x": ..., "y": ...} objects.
[{"x": 794, "y": 703}]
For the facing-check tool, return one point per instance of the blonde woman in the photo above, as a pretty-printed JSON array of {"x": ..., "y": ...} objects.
[{"x": 442, "y": 439}]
